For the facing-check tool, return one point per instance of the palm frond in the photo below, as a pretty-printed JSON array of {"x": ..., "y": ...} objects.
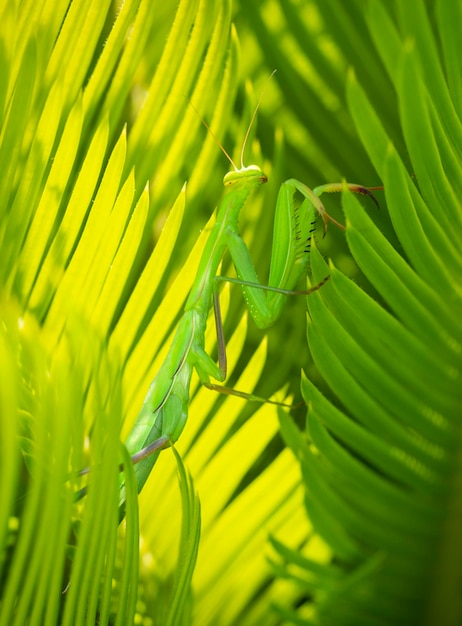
[
  {"x": 380, "y": 459},
  {"x": 75, "y": 232}
]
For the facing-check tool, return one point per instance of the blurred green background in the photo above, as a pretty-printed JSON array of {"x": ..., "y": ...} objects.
[{"x": 109, "y": 180}]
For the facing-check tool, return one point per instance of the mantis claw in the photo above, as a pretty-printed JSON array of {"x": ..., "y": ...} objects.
[
  {"x": 365, "y": 191},
  {"x": 335, "y": 188}
]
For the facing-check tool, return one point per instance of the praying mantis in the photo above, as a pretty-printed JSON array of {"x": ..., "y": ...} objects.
[{"x": 164, "y": 412}]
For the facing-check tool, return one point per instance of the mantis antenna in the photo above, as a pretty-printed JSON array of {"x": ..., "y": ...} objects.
[
  {"x": 252, "y": 119},
  {"x": 214, "y": 137}
]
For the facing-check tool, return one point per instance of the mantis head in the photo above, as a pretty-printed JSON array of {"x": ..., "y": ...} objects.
[{"x": 250, "y": 176}]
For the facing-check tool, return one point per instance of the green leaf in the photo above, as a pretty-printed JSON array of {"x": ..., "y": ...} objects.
[
  {"x": 380, "y": 455},
  {"x": 189, "y": 546}
]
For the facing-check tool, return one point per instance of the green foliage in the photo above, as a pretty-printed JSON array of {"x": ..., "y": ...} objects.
[
  {"x": 381, "y": 459},
  {"x": 99, "y": 240}
]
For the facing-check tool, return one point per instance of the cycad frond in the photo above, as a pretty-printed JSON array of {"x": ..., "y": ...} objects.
[
  {"x": 75, "y": 233},
  {"x": 381, "y": 459}
]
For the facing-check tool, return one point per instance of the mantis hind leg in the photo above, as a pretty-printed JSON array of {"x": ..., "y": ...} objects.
[{"x": 251, "y": 397}]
